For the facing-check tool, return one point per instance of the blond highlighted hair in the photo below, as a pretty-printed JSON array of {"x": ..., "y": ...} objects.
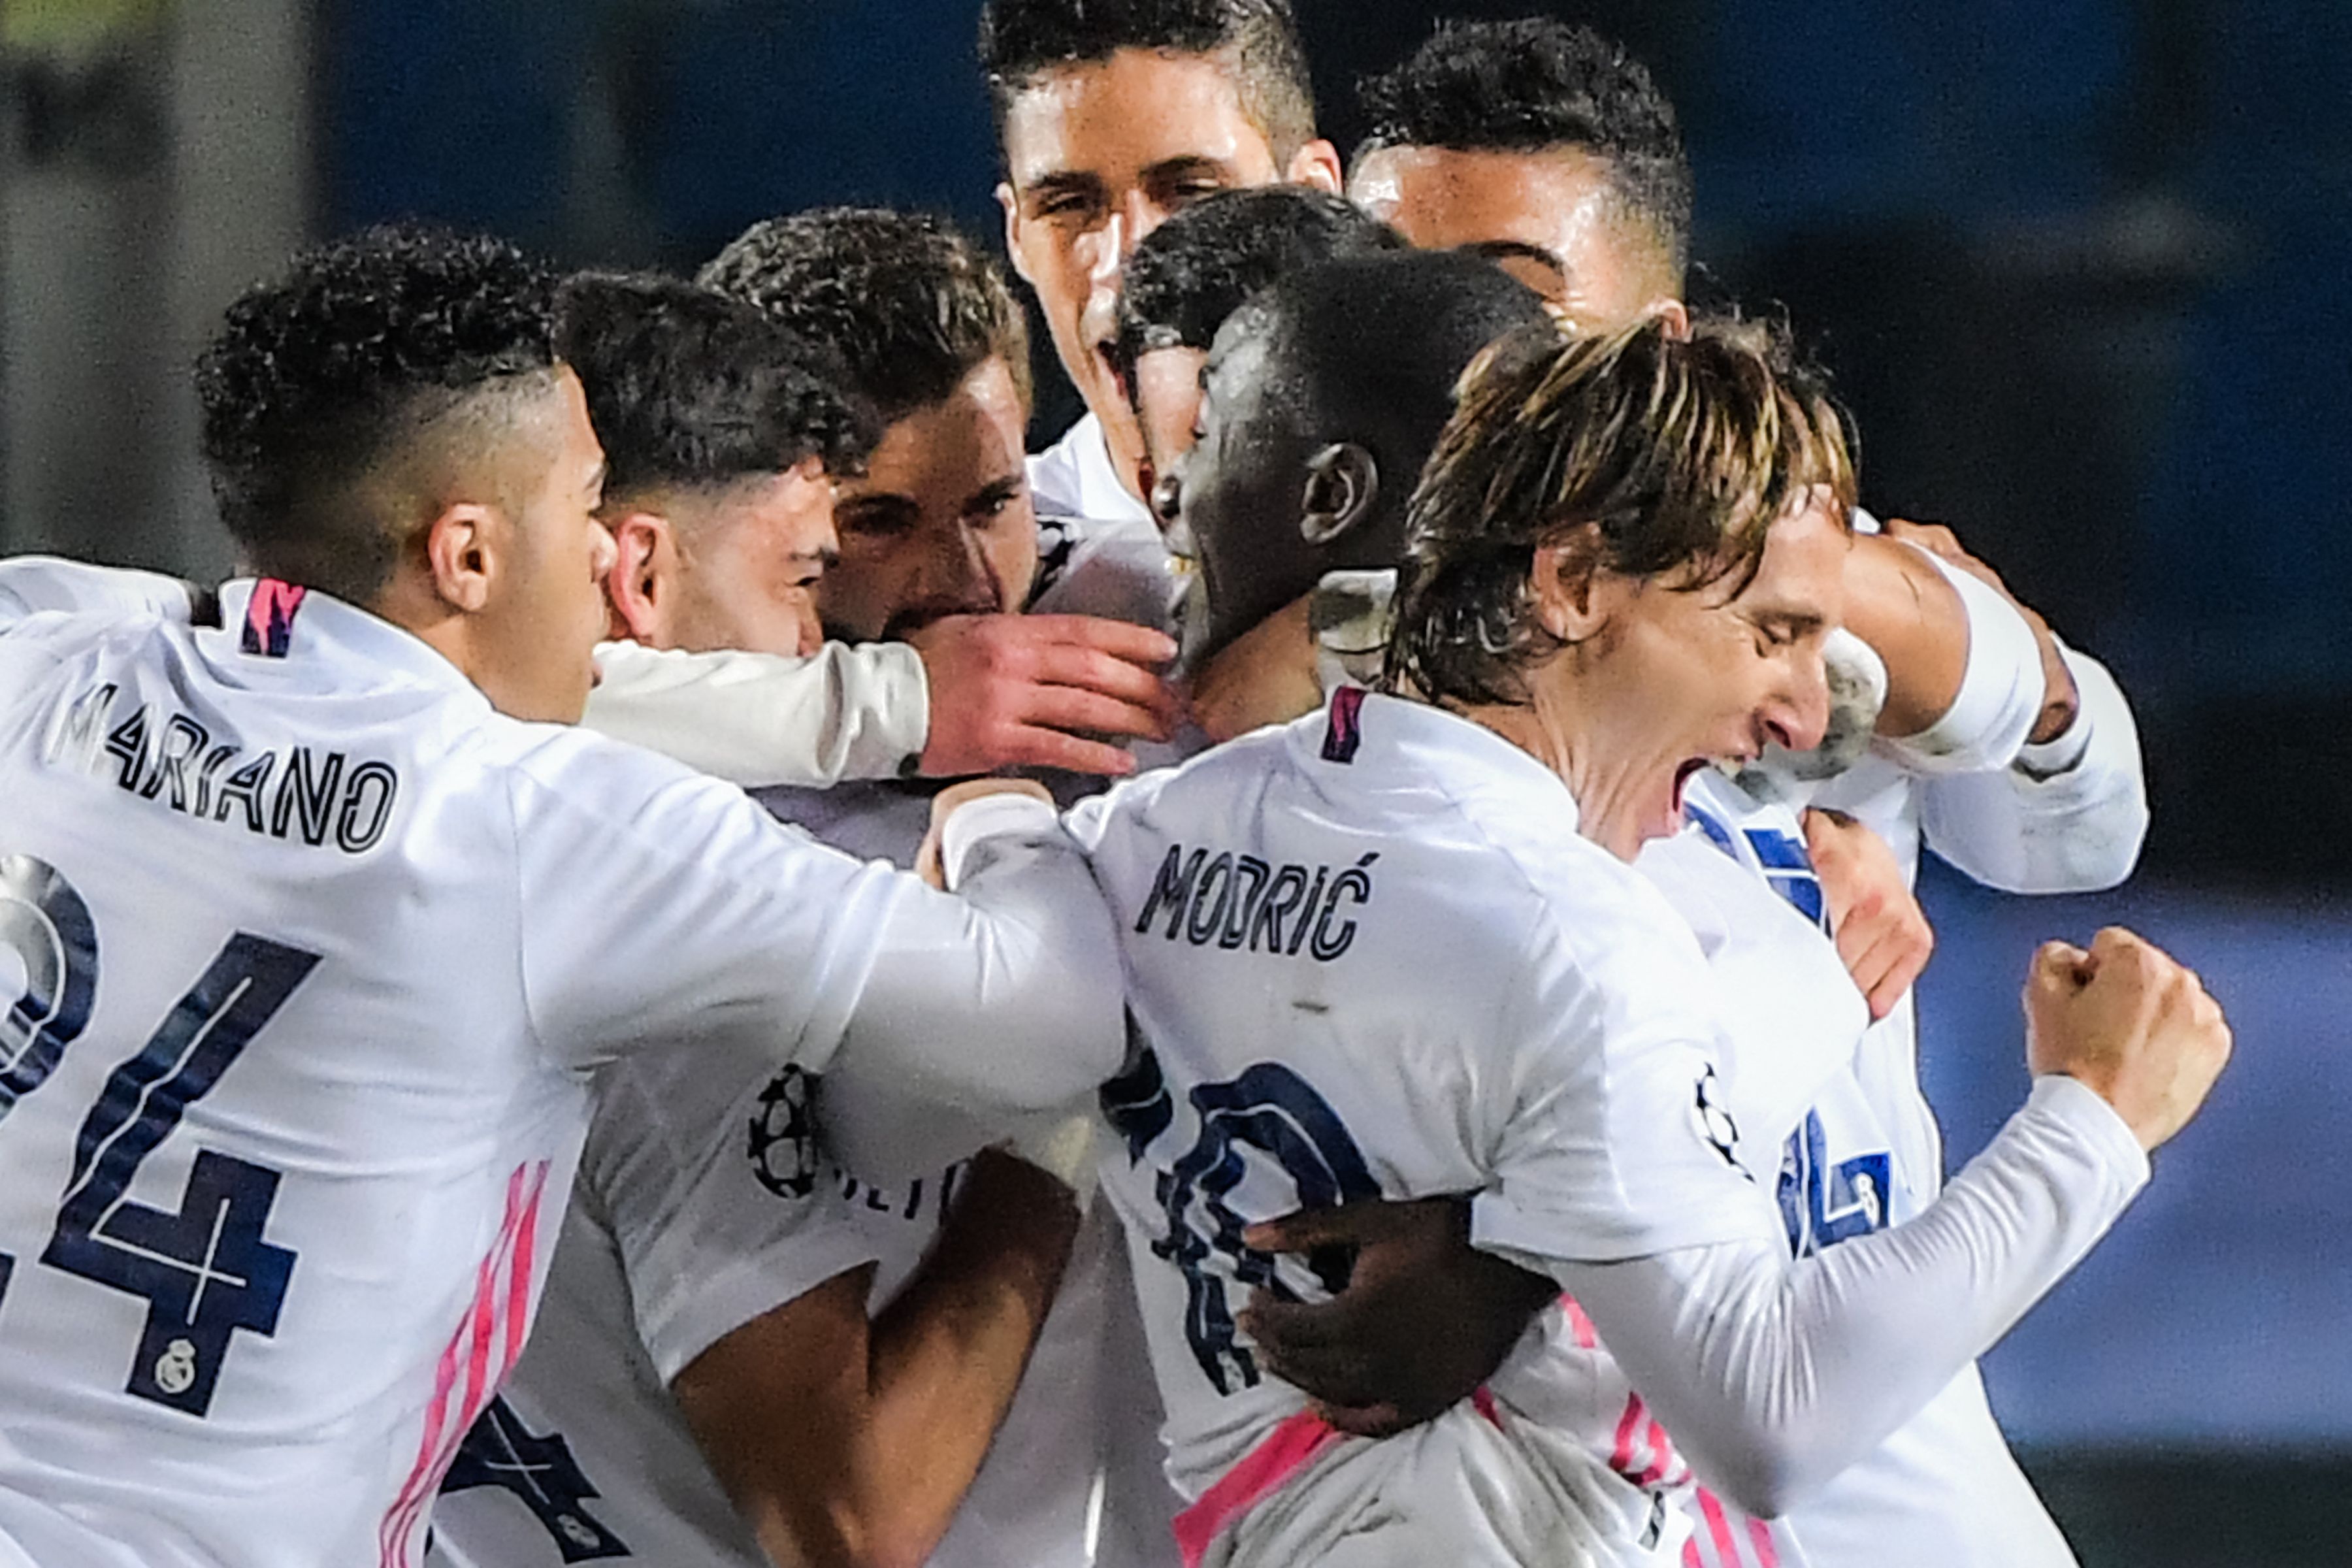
[{"x": 1671, "y": 456}]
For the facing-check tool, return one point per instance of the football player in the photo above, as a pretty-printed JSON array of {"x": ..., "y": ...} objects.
[
  {"x": 1288, "y": 899},
  {"x": 325, "y": 916},
  {"x": 704, "y": 1385},
  {"x": 1110, "y": 117},
  {"x": 1549, "y": 147}
]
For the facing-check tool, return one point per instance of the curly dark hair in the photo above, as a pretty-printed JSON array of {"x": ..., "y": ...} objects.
[
  {"x": 316, "y": 380},
  {"x": 688, "y": 388},
  {"x": 1208, "y": 260},
  {"x": 1534, "y": 85},
  {"x": 1678, "y": 454},
  {"x": 905, "y": 303},
  {"x": 1020, "y": 40}
]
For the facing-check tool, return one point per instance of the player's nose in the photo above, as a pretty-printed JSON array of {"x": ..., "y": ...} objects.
[
  {"x": 1798, "y": 716},
  {"x": 960, "y": 575}
]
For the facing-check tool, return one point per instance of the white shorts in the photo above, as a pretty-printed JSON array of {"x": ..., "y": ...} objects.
[{"x": 1480, "y": 1487}]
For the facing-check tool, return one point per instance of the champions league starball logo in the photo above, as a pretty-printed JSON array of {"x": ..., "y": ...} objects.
[
  {"x": 1714, "y": 1123},
  {"x": 783, "y": 1136}
]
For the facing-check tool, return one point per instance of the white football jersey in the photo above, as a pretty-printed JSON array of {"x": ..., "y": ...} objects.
[
  {"x": 705, "y": 1201},
  {"x": 1075, "y": 477},
  {"x": 1369, "y": 956},
  {"x": 312, "y": 954},
  {"x": 1943, "y": 1491}
]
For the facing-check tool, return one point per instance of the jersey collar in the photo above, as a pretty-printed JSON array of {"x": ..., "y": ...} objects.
[
  {"x": 1094, "y": 492},
  {"x": 1396, "y": 743},
  {"x": 320, "y": 640}
]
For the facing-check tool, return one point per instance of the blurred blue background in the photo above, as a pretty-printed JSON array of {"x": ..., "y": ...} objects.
[{"x": 2083, "y": 266}]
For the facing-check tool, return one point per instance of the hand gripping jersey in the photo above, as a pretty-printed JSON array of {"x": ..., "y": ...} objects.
[
  {"x": 706, "y": 1200},
  {"x": 313, "y": 954},
  {"x": 1370, "y": 957}
]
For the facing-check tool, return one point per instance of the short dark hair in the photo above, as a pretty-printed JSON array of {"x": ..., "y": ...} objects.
[
  {"x": 905, "y": 303},
  {"x": 365, "y": 346},
  {"x": 1535, "y": 85},
  {"x": 1021, "y": 40},
  {"x": 1680, "y": 454},
  {"x": 1365, "y": 349},
  {"x": 1205, "y": 262},
  {"x": 690, "y": 389}
]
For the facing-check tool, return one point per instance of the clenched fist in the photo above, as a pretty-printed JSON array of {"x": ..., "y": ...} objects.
[{"x": 2130, "y": 1023}]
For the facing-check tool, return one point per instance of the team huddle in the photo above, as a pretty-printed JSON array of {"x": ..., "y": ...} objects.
[{"x": 613, "y": 997}]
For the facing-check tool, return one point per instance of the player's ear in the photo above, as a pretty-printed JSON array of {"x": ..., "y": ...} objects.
[
  {"x": 1571, "y": 598},
  {"x": 1343, "y": 483},
  {"x": 637, "y": 588},
  {"x": 1317, "y": 164},
  {"x": 461, "y": 554}
]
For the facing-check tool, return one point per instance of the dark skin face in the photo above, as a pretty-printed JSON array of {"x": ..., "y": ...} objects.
[{"x": 1239, "y": 483}]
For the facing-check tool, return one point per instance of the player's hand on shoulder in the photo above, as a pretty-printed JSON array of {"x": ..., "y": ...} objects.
[
  {"x": 1424, "y": 1320},
  {"x": 2130, "y": 1022},
  {"x": 1882, "y": 933},
  {"x": 1053, "y": 691},
  {"x": 2061, "y": 699},
  {"x": 930, "y": 864}
]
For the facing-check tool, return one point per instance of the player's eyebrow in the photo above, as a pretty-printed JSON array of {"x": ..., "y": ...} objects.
[
  {"x": 1518, "y": 250},
  {"x": 1187, "y": 165},
  {"x": 998, "y": 493},
  {"x": 878, "y": 510},
  {"x": 1063, "y": 183}
]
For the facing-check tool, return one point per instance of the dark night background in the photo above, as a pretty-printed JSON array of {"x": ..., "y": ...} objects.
[{"x": 2081, "y": 267}]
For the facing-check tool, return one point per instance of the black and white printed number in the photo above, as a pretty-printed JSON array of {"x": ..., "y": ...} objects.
[{"x": 205, "y": 1270}]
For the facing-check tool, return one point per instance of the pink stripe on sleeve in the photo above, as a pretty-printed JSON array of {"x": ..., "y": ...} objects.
[
  {"x": 1581, "y": 1327},
  {"x": 1719, "y": 1527},
  {"x": 1620, "y": 1459},
  {"x": 478, "y": 1327}
]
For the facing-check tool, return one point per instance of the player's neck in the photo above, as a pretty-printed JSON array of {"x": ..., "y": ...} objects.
[
  {"x": 410, "y": 603},
  {"x": 1549, "y": 729},
  {"x": 1266, "y": 676}
]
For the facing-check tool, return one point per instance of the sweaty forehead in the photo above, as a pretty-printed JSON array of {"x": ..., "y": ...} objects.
[
  {"x": 1803, "y": 569},
  {"x": 1556, "y": 203},
  {"x": 948, "y": 451},
  {"x": 796, "y": 505},
  {"x": 1115, "y": 119}
]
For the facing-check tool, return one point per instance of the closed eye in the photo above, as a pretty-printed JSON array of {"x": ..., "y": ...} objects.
[{"x": 877, "y": 515}]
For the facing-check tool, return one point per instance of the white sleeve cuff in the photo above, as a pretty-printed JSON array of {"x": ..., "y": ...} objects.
[
  {"x": 2077, "y": 1108},
  {"x": 688, "y": 1315},
  {"x": 990, "y": 816},
  {"x": 2063, "y": 751},
  {"x": 2001, "y": 691},
  {"x": 848, "y": 711}
]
